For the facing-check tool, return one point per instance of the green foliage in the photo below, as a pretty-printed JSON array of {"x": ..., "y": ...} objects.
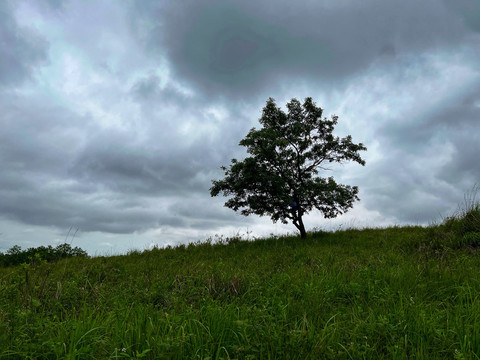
[
  {"x": 465, "y": 222},
  {"x": 461, "y": 230},
  {"x": 280, "y": 177},
  {"x": 17, "y": 256},
  {"x": 361, "y": 294}
]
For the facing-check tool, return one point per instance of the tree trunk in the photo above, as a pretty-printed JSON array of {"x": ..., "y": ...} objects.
[
  {"x": 298, "y": 222},
  {"x": 301, "y": 227}
]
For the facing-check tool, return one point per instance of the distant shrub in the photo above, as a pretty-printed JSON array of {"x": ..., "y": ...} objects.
[{"x": 17, "y": 256}]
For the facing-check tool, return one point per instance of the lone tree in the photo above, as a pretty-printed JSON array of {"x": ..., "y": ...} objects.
[{"x": 280, "y": 177}]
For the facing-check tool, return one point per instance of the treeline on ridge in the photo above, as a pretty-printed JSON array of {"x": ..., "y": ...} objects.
[{"x": 17, "y": 256}]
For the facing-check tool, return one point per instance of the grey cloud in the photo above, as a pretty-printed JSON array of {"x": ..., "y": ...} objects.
[
  {"x": 430, "y": 162},
  {"x": 406, "y": 191},
  {"x": 21, "y": 49},
  {"x": 464, "y": 167},
  {"x": 160, "y": 165},
  {"x": 60, "y": 169},
  {"x": 149, "y": 92},
  {"x": 32, "y": 199},
  {"x": 203, "y": 213},
  {"x": 462, "y": 124},
  {"x": 56, "y": 4},
  {"x": 102, "y": 212},
  {"x": 202, "y": 208},
  {"x": 131, "y": 169},
  {"x": 165, "y": 108},
  {"x": 469, "y": 10},
  {"x": 146, "y": 87},
  {"x": 39, "y": 137},
  {"x": 455, "y": 122},
  {"x": 242, "y": 48}
]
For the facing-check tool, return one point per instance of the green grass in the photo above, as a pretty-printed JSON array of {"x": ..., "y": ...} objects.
[{"x": 395, "y": 293}]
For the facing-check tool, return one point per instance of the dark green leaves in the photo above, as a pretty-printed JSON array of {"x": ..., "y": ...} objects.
[{"x": 286, "y": 155}]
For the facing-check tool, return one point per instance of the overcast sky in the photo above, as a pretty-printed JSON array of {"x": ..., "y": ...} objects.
[{"x": 116, "y": 115}]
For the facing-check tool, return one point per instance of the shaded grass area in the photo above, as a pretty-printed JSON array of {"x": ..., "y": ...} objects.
[{"x": 395, "y": 293}]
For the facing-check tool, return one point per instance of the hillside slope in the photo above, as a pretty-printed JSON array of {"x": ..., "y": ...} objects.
[{"x": 401, "y": 292}]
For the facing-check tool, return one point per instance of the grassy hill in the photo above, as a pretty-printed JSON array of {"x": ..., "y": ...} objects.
[{"x": 394, "y": 293}]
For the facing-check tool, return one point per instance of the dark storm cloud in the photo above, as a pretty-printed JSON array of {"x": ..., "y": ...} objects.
[
  {"x": 61, "y": 169},
  {"x": 34, "y": 204},
  {"x": 243, "y": 47},
  {"x": 38, "y": 145},
  {"x": 20, "y": 49},
  {"x": 117, "y": 164}
]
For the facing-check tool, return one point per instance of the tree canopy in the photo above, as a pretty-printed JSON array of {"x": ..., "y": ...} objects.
[{"x": 280, "y": 178}]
